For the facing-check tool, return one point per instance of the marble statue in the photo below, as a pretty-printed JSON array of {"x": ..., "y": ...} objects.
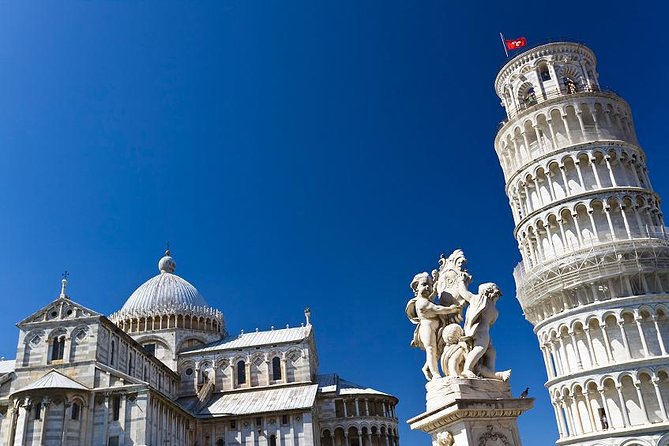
[
  {"x": 445, "y": 439},
  {"x": 461, "y": 351},
  {"x": 452, "y": 280},
  {"x": 481, "y": 315},
  {"x": 454, "y": 351},
  {"x": 430, "y": 319}
]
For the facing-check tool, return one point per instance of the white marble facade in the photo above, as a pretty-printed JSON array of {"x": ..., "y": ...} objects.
[
  {"x": 162, "y": 371},
  {"x": 593, "y": 278}
]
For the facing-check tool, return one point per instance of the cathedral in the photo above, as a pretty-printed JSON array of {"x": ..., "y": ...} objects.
[{"x": 162, "y": 371}]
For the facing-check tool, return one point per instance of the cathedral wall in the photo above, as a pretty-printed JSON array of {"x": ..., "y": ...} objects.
[
  {"x": 287, "y": 429},
  {"x": 295, "y": 364},
  {"x": 363, "y": 418},
  {"x": 118, "y": 351}
]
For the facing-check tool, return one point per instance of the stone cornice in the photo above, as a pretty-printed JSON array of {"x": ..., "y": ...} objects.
[
  {"x": 520, "y": 116},
  {"x": 602, "y": 193},
  {"x": 574, "y": 149},
  {"x": 471, "y": 409}
]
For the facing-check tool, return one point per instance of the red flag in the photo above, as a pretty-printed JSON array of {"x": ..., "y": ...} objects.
[{"x": 514, "y": 44}]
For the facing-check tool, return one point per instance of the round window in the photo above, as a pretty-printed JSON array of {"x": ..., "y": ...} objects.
[{"x": 189, "y": 371}]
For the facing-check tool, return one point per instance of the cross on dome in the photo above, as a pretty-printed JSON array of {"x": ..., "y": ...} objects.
[{"x": 167, "y": 263}]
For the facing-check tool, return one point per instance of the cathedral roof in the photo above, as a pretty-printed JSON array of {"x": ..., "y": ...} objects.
[
  {"x": 7, "y": 366},
  {"x": 333, "y": 383},
  {"x": 248, "y": 402},
  {"x": 257, "y": 338},
  {"x": 165, "y": 293},
  {"x": 53, "y": 380}
]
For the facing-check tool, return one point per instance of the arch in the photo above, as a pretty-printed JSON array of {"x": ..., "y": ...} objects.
[
  {"x": 542, "y": 71},
  {"x": 77, "y": 350},
  {"x": 526, "y": 95},
  {"x": 293, "y": 360},
  {"x": 257, "y": 366},
  {"x": 190, "y": 342}
]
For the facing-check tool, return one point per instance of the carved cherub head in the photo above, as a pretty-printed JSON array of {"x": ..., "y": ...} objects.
[
  {"x": 445, "y": 439},
  {"x": 452, "y": 334},
  {"x": 422, "y": 285},
  {"x": 490, "y": 290}
]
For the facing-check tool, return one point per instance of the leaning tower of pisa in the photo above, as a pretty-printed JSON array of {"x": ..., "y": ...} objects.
[{"x": 594, "y": 275}]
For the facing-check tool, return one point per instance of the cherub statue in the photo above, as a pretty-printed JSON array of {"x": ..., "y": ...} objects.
[
  {"x": 430, "y": 319},
  {"x": 455, "y": 350},
  {"x": 481, "y": 315}
]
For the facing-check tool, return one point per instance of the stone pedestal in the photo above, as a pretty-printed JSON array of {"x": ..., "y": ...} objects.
[{"x": 471, "y": 412}]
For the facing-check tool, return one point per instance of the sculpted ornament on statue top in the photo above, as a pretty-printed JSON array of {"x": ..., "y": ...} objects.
[{"x": 462, "y": 351}]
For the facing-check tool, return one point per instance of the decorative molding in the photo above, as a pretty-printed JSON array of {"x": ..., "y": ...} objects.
[{"x": 492, "y": 435}]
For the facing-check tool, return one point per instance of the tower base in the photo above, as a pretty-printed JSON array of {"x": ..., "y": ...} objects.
[{"x": 471, "y": 412}]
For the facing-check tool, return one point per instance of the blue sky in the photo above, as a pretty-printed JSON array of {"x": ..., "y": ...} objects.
[{"x": 294, "y": 153}]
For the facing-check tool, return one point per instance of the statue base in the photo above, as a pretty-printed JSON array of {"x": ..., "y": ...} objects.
[{"x": 471, "y": 412}]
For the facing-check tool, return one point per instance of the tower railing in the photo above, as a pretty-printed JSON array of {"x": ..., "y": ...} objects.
[
  {"x": 551, "y": 94},
  {"x": 592, "y": 263}
]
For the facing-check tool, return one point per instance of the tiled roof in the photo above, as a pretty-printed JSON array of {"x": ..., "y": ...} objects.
[
  {"x": 257, "y": 338},
  {"x": 7, "y": 366},
  {"x": 333, "y": 383},
  {"x": 257, "y": 401},
  {"x": 53, "y": 380}
]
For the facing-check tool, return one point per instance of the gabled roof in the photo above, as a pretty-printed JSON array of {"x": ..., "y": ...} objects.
[
  {"x": 256, "y": 401},
  {"x": 333, "y": 383},
  {"x": 38, "y": 316},
  {"x": 256, "y": 338},
  {"x": 53, "y": 380},
  {"x": 7, "y": 366}
]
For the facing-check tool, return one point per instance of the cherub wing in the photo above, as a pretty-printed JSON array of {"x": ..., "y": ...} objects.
[{"x": 411, "y": 311}]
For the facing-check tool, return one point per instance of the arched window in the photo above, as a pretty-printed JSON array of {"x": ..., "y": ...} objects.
[
  {"x": 113, "y": 350},
  {"x": 58, "y": 348},
  {"x": 529, "y": 98},
  {"x": 570, "y": 85},
  {"x": 75, "y": 411},
  {"x": 220, "y": 442},
  {"x": 544, "y": 74},
  {"x": 276, "y": 368},
  {"x": 272, "y": 440},
  {"x": 241, "y": 372}
]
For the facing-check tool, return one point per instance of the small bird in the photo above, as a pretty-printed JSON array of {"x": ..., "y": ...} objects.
[{"x": 525, "y": 392}]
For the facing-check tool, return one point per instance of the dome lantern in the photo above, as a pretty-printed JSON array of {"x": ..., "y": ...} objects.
[{"x": 167, "y": 263}]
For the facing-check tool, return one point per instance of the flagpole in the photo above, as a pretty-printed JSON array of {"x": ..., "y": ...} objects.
[{"x": 501, "y": 36}]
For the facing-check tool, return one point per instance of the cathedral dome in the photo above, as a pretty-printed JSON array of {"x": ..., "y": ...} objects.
[
  {"x": 167, "y": 294},
  {"x": 164, "y": 291}
]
